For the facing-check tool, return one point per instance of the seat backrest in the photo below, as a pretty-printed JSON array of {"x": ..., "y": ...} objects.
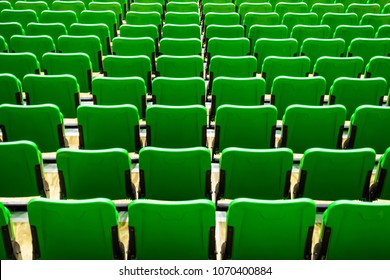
[
  {"x": 362, "y": 8},
  {"x": 227, "y": 47},
  {"x": 74, "y": 230},
  {"x": 367, "y": 48},
  {"x": 378, "y": 66},
  {"x": 376, "y": 20},
  {"x": 224, "y": 31},
  {"x": 179, "y": 66},
  {"x": 218, "y": 8},
  {"x": 36, "y": 6},
  {"x": 383, "y": 31},
  {"x": 221, "y": 19},
  {"x": 67, "y": 17},
  {"x": 251, "y": 19},
  {"x": 336, "y": 19},
  {"x": 147, "y": 7},
  {"x": 185, "y": 7},
  {"x": 256, "y": 229},
  {"x": 106, "y": 17},
  {"x": 99, "y": 29},
  {"x": 302, "y": 32},
  {"x": 21, "y": 16},
  {"x": 322, "y": 8},
  {"x": 54, "y": 30},
  {"x": 381, "y": 188},
  {"x": 19, "y": 64},
  {"x": 181, "y": 31},
  {"x": 137, "y": 31},
  {"x": 9, "y": 249},
  {"x": 180, "y": 47},
  {"x": 10, "y": 89},
  {"x": 75, "y": 6},
  {"x": 142, "y": 18},
  {"x": 110, "y": 6},
  {"x": 247, "y": 7},
  {"x": 258, "y": 31},
  {"x": 291, "y": 19},
  {"x": 283, "y": 8},
  {"x": 182, "y": 18},
  {"x": 8, "y": 29},
  {"x": 350, "y": 32}
]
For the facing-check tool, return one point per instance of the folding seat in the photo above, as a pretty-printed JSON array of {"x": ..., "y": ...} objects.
[
  {"x": 10, "y": 89},
  {"x": 378, "y": 66},
  {"x": 288, "y": 91},
  {"x": 9, "y": 29},
  {"x": 183, "y": 7},
  {"x": 265, "y": 47},
  {"x": 223, "y": 31},
  {"x": 74, "y": 229},
  {"x": 67, "y": 18},
  {"x": 180, "y": 47},
  {"x": 100, "y": 30},
  {"x": 9, "y": 249},
  {"x": 45, "y": 126},
  {"x": 302, "y": 32},
  {"x": 75, "y": 6},
  {"x": 76, "y": 64},
  {"x": 376, "y": 20},
  {"x": 286, "y": 7},
  {"x": 315, "y": 48},
  {"x": 37, "y": 45},
  {"x": 142, "y": 18},
  {"x": 36, "y": 6},
  {"x": 19, "y": 64},
  {"x": 156, "y": 231},
  {"x": 179, "y": 66},
  {"x": 306, "y": 127},
  {"x": 346, "y": 3},
  {"x": 311, "y": 3},
  {"x": 147, "y": 7},
  {"x": 54, "y": 30},
  {"x": 332, "y": 68},
  {"x": 21, "y": 16},
  {"x": 162, "y": 2},
  {"x": 354, "y": 92},
  {"x": 337, "y": 19},
  {"x": 128, "y": 66},
  {"x": 218, "y": 8},
  {"x": 106, "y": 17},
  {"x": 125, "y": 5},
  {"x": 383, "y": 31},
  {"x": 362, "y": 8},
  {"x": 347, "y": 223},
  {"x": 110, "y": 6},
  {"x": 380, "y": 188},
  {"x": 137, "y": 31},
  {"x": 350, "y": 32},
  {"x": 221, "y": 19},
  {"x": 204, "y": 2},
  {"x": 256, "y": 229},
  {"x": 292, "y": 19},
  {"x": 181, "y": 31},
  {"x": 176, "y": 126},
  {"x": 258, "y": 31},
  {"x": 366, "y": 128},
  {"x": 367, "y": 48},
  {"x": 247, "y": 7},
  {"x": 322, "y": 8},
  {"x": 22, "y": 180},
  {"x": 251, "y": 19}
]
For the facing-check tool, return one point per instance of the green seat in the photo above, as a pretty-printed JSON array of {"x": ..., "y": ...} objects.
[
  {"x": 36, "y": 6},
  {"x": 292, "y": 19},
  {"x": 380, "y": 188},
  {"x": 60, "y": 90},
  {"x": 337, "y": 19},
  {"x": 95, "y": 125},
  {"x": 85, "y": 174},
  {"x": 249, "y": 7},
  {"x": 76, "y": 64},
  {"x": 5, "y": 5},
  {"x": 274, "y": 66},
  {"x": 179, "y": 66},
  {"x": 224, "y": 31},
  {"x": 383, "y": 31},
  {"x": 181, "y": 31},
  {"x": 256, "y": 229},
  {"x": 9, "y": 29},
  {"x": 265, "y": 47},
  {"x": 302, "y": 32},
  {"x": 169, "y": 230},
  {"x": 140, "y": 31},
  {"x": 366, "y": 128},
  {"x": 128, "y": 66},
  {"x": 240, "y": 169},
  {"x": 346, "y": 3},
  {"x": 354, "y": 92},
  {"x": 315, "y": 48},
  {"x": 9, "y": 249},
  {"x": 180, "y": 47},
  {"x": 74, "y": 230},
  {"x": 37, "y": 45},
  {"x": 251, "y": 19},
  {"x": 350, "y": 32},
  {"x": 288, "y": 91},
  {"x": 283, "y": 8},
  {"x": 307, "y": 127},
  {"x": 330, "y": 174},
  {"x": 176, "y": 126},
  {"x": 107, "y": 17},
  {"x": 183, "y": 7},
  {"x": 376, "y": 20},
  {"x": 3, "y": 45},
  {"x": 378, "y": 66},
  {"x": 221, "y": 19},
  {"x": 182, "y": 18},
  {"x": 125, "y": 5},
  {"x": 22, "y": 180},
  {"x": 142, "y": 18},
  {"x": 385, "y": 7},
  {"x": 218, "y": 8},
  {"x": 120, "y": 91},
  {"x": 367, "y": 48},
  {"x": 75, "y": 6},
  {"x": 332, "y": 68},
  {"x": 41, "y": 124},
  {"x": 322, "y": 8},
  {"x": 147, "y": 7},
  {"x": 236, "y": 91},
  {"x": 100, "y": 30},
  {"x": 362, "y": 8},
  {"x": 10, "y": 89},
  {"x": 240, "y": 126},
  {"x": 178, "y": 91},
  {"x": 258, "y": 31},
  {"x": 23, "y": 17},
  {"x": 114, "y": 6},
  {"x": 19, "y": 64},
  {"x": 175, "y": 174},
  {"x": 347, "y": 223},
  {"x": 54, "y": 30},
  {"x": 67, "y": 18}
]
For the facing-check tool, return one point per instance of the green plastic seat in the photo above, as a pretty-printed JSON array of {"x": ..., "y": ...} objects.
[
  {"x": 256, "y": 229},
  {"x": 5, "y": 5},
  {"x": 382, "y": 3},
  {"x": 120, "y": 91},
  {"x": 100, "y": 30},
  {"x": 288, "y": 91},
  {"x": 67, "y": 18},
  {"x": 346, "y": 3},
  {"x": 218, "y": 8},
  {"x": 179, "y": 66},
  {"x": 182, "y": 18},
  {"x": 378, "y": 66},
  {"x": 302, "y": 32},
  {"x": 142, "y": 18},
  {"x": 350, "y": 32},
  {"x": 221, "y": 19},
  {"x": 76, "y": 64},
  {"x": 376, "y": 20},
  {"x": 9, "y": 29},
  {"x": 176, "y": 126},
  {"x": 74, "y": 229},
  {"x": 95, "y": 125},
  {"x": 237, "y": 91},
  {"x": 366, "y": 128},
  {"x": 385, "y": 7},
  {"x": 162, "y": 2},
  {"x": 22, "y": 180},
  {"x": 175, "y": 174},
  {"x": 354, "y": 92},
  {"x": 88, "y": 174},
  {"x": 240, "y": 169},
  {"x": 249, "y": 7},
  {"x": 251, "y": 19},
  {"x": 240, "y": 2},
  {"x": 181, "y": 31},
  {"x": 75, "y": 6},
  {"x": 184, "y": 7},
  {"x": 41, "y": 124},
  {"x": 292, "y": 19},
  {"x": 322, "y": 8},
  {"x": 128, "y": 66},
  {"x": 383, "y": 31},
  {"x": 178, "y": 91},
  {"x": 274, "y": 66},
  {"x": 380, "y": 188},
  {"x": 367, "y": 48},
  {"x": 332, "y": 68},
  {"x": 113, "y": 6},
  {"x": 106, "y": 16},
  {"x": 224, "y": 31},
  {"x": 9, "y": 249},
  {"x": 171, "y": 230},
  {"x": 315, "y": 48},
  {"x": 37, "y": 45},
  {"x": 140, "y": 31},
  {"x": 147, "y": 7},
  {"x": 330, "y": 174},
  {"x": 258, "y": 31},
  {"x": 362, "y": 8},
  {"x": 307, "y": 127},
  {"x": 54, "y": 30},
  {"x": 23, "y": 17},
  {"x": 19, "y": 64},
  {"x": 336, "y": 19},
  {"x": 36, "y": 6},
  {"x": 125, "y": 5},
  {"x": 283, "y": 8},
  {"x": 60, "y": 90},
  {"x": 180, "y": 47},
  {"x": 265, "y": 47},
  {"x": 10, "y": 89},
  {"x": 347, "y": 223}
]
